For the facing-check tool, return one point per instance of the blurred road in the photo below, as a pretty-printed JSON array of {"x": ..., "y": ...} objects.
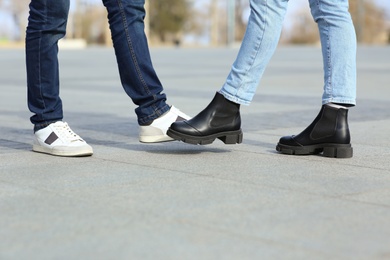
[{"x": 178, "y": 201}]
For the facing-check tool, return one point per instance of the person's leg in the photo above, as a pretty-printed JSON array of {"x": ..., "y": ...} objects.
[
  {"x": 338, "y": 42},
  {"x": 46, "y": 25},
  {"x": 138, "y": 77},
  {"x": 221, "y": 118},
  {"x": 259, "y": 44},
  {"x": 329, "y": 132}
]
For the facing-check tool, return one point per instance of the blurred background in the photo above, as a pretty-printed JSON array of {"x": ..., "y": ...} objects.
[{"x": 195, "y": 22}]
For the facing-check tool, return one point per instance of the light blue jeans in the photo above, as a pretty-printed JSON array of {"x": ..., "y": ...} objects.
[{"x": 338, "y": 41}]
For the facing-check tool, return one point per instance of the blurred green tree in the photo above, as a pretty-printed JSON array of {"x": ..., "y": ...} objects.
[{"x": 168, "y": 18}]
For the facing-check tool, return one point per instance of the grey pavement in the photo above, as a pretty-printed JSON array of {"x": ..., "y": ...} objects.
[{"x": 179, "y": 201}]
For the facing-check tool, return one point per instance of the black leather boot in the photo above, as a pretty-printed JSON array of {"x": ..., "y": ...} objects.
[
  {"x": 220, "y": 119},
  {"x": 328, "y": 134}
]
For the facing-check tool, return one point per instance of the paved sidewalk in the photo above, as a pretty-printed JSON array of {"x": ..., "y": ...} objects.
[{"x": 179, "y": 201}]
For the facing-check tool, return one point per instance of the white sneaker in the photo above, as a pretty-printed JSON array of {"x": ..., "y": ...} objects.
[
  {"x": 58, "y": 139},
  {"x": 157, "y": 131}
]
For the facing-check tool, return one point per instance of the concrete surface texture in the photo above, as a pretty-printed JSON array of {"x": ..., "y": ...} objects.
[{"x": 179, "y": 201}]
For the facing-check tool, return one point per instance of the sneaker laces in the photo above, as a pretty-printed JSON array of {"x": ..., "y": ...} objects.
[{"x": 65, "y": 132}]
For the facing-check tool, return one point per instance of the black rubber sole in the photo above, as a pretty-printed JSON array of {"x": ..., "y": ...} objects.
[
  {"x": 230, "y": 137},
  {"x": 327, "y": 150}
]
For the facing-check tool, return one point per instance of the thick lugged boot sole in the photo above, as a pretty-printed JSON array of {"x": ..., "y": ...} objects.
[
  {"x": 327, "y": 150},
  {"x": 230, "y": 137}
]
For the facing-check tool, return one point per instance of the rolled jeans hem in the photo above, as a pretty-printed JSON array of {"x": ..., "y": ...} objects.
[
  {"x": 234, "y": 99},
  {"x": 339, "y": 101},
  {"x": 147, "y": 120},
  {"x": 40, "y": 126}
]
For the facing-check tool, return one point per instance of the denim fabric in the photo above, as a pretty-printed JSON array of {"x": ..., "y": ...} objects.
[
  {"x": 338, "y": 41},
  {"x": 47, "y": 25},
  {"x": 139, "y": 80}
]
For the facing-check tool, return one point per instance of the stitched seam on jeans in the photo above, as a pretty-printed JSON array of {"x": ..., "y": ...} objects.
[
  {"x": 40, "y": 68},
  {"x": 261, "y": 37},
  {"x": 328, "y": 85},
  {"x": 131, "y": 49}
]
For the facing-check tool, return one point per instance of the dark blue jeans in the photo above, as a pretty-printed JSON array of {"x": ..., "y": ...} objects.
[{"x": 47, "y": 24}]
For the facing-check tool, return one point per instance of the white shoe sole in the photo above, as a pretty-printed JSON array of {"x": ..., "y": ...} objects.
[
  {"x": 155, "y": 139},
  {"x": 66, "y": 152}
]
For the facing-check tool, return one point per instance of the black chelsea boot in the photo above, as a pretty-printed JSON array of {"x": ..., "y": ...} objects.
[
  {"x": 220, "y": 119},
  {"x": 327, "y": 134}
]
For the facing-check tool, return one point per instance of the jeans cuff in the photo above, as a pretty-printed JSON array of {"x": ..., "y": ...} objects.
[
  {"x": 147, "y": 120},
  {"x": 40, "y": 126}
]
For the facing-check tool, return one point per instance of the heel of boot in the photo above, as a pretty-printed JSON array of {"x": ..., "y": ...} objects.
[
  {"x": 232, "y": 138},
  {"x": 338, "y": 152}
]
